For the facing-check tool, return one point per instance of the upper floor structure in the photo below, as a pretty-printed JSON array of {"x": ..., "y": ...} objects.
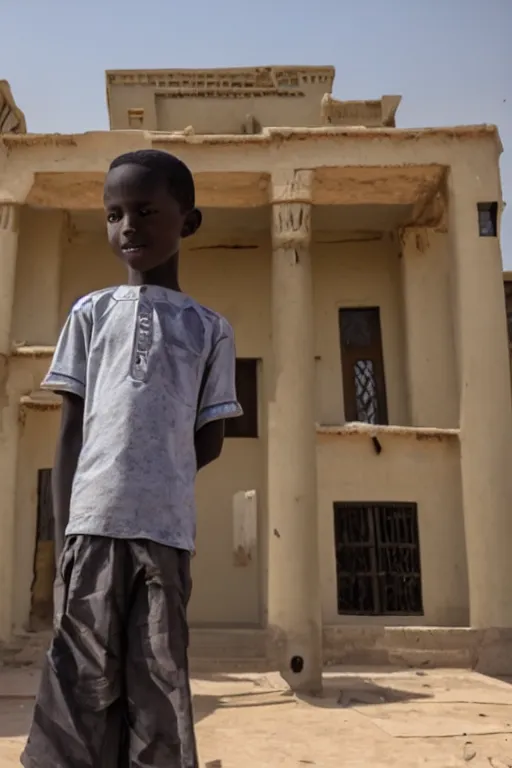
[{"x": 231, "y": 101}]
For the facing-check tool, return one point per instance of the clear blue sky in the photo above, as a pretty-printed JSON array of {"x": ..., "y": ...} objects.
[{"x": 450, "y": 59}]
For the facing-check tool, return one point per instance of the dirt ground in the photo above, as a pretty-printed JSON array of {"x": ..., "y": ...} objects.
[{"x": 365, "y": 718}]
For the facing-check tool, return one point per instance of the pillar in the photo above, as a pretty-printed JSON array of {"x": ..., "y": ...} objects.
[
  {"x": 294, "y": 607},
  {"x": 9, "y": 225},
  {"x": 485, "y": 405},
  {"x": 9, "y": 221}
]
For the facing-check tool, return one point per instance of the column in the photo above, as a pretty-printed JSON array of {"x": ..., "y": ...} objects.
[
  {"x": 9, "y": 220},
  {"x": 485, "y": 406},
  {"x": 9, "y": 224},
  {"x": 294, "y": 607}
]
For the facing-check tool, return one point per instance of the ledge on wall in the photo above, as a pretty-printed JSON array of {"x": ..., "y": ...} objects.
[
  {"x": 23, "y": 350},
  {"x": 40, "y": 400},
  {"x": 377, "y": 430}
]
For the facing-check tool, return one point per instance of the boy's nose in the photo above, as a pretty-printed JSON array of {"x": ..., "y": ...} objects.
[{"x": 128, "y": 226}]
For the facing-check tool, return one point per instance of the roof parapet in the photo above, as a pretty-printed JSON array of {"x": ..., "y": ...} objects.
[
  {"x": 12, "y": 119},
  {"x": 373, "y": 113}
]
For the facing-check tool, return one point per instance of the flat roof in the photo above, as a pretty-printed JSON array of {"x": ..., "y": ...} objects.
[
  {"x": 267, "y": 136},
  {"x": 326, "y": 69}
]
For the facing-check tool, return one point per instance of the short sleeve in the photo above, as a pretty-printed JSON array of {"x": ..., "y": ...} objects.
[
  {"x": 218, "y": 397},
  {"x": 69, "y": 365}
]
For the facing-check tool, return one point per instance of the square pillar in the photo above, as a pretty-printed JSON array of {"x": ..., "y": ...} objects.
[
  {"x": 9, "y": 425},
  {"x": 9, "y": 230},
  {"x": 485, "y": 408},
  {"x": 294, "y": 606}
]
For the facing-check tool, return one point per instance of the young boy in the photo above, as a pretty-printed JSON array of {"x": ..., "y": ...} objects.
[{"x": 147, "y": 377}]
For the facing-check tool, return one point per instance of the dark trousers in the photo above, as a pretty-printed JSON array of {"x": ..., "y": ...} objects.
[{"x": 115, "y": 688}]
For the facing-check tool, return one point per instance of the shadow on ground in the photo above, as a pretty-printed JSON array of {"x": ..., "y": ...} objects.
[
  {"x": 205, "y": 705},
  {"x": 15, "y": 714},
  {"x": 343, "y": 691},
  {"x": 339, "y": 691}
]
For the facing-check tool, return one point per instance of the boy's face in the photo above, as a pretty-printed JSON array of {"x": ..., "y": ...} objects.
[{"x": 144, "y": 221}]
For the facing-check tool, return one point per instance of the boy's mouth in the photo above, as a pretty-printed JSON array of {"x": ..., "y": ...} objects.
[{"x": 133, "y": 248}]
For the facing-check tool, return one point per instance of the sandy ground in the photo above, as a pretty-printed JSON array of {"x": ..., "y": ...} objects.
[{"x": 365, "y": 718}]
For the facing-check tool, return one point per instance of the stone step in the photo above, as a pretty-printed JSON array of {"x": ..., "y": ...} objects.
[
  {"x": 210, "y": 665},
  {"x": 229, "y": 643},
  {"x": 245, "y": 648},
  {"x": 219, "y": 647}
]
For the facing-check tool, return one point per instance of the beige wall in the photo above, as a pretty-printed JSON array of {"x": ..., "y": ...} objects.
[
  {"x": 35, "y": 319},
  {"x": 213, "y": 115},
  {"x": 227, "y": 115},
  {"x": 354, "y": 274},
  {"x": 88, "y": 264},
  {"x": 409, "y": 469},
  {"x": 428, "y": 296},
  {"x": 237, "y": 284}
]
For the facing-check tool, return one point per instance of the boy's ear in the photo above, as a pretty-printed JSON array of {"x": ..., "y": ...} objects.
[{"x": 192, "y": 223}]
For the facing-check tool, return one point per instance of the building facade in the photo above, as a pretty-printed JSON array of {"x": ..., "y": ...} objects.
[{"x": 366, "y": 492}]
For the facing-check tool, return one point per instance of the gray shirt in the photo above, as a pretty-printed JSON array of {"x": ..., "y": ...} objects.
[{"x": 153, "y": 366}]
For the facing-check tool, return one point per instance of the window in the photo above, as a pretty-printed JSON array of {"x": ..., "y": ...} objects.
[
  {"x": 362, "y": 365},
  {"x": 377, "y": 559},
  {"x": 247, "y": 393},
  {"x": 488, "y": 219},
  {"x": 136, "y": 118}
]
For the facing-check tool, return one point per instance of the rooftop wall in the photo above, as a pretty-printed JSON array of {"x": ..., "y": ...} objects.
[{"x": 236, "y": 101}]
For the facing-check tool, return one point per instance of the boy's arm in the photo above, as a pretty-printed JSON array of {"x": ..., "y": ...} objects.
[
  {"x": 217, "y": 400},
  {"x": 67, "y": 377},
  {"x": 208, "y": 441},
  {"x": 69, "y": 445}
]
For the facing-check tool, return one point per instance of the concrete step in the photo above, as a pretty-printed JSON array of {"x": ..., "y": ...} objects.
[
  {"x": 228, "y": 643},
  {"x": 199, "y": 666},
  {"x": 239, "y": 649},
  {"x": 228, "y": 648}
]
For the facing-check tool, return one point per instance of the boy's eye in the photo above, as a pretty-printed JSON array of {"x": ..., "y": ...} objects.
[
  {"x": 112, "y": 217},
  {"x": 146, "y": 211}
]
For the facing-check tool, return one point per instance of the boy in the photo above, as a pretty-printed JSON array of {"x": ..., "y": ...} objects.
[{"x": 147, "y": 376}]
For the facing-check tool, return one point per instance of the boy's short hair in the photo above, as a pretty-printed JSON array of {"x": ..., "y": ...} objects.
[{"x": 169, "y": 168}]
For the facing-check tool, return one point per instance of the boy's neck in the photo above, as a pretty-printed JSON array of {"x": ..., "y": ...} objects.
[{"x": 165, "y": 276}]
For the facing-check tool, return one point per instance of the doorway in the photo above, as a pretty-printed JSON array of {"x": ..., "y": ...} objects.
[{"x": 41, "y": 612}]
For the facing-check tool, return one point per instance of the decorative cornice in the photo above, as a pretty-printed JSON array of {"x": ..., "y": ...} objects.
[
  {"x": 291, "y": 194},
  {"x": 12, "y": 119},
  {"x": 292, "y": 186},
  {"x": 245, "y": 81},
  {"x": 267, "y": 136}
]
